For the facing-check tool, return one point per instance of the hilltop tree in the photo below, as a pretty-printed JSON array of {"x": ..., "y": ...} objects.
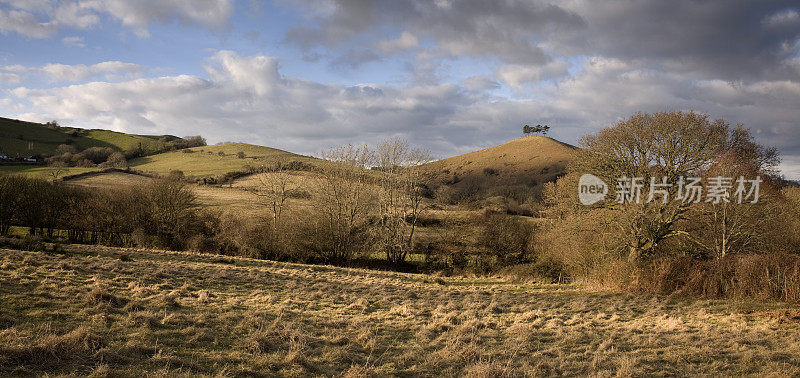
[{"x": 538, "y": 129}]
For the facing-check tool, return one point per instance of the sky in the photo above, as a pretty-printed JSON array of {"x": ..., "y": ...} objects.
[{"x": 449, "y": 76}]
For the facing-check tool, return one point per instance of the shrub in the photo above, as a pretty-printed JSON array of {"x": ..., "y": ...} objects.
[
  {"x": 505, "y": 237},
  {"x": 764, "y": 277}
]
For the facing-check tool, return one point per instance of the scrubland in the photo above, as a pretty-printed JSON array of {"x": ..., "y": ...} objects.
[{"x": 111, "y": 311}]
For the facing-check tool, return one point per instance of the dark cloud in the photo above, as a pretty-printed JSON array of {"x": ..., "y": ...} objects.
[
  {"x": 724, "y": 39},
  {"x": 508, "y": 30}
]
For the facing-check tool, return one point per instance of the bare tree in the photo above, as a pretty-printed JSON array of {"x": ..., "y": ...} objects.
[
  {"x": 400, "y": 198},
  {"x": 274, "y": 189},
  {"x": 345, "y": 197}
]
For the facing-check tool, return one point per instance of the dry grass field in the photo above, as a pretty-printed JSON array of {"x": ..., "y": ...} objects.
[
  {"x": 102, "y": 311},
  {"x": 239, "y": 197}
]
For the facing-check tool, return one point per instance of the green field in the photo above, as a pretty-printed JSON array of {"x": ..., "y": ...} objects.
[
  {"x": 43, "y": 171},
  {"x": 21, "y": 138},
  {"x": 125, "y": 312},
  {"x": 207, "y": 161}
]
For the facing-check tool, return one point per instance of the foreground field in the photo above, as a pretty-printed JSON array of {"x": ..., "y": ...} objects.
[{"x": 91, "y": 310}]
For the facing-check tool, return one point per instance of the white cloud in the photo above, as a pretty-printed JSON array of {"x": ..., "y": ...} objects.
[
  {"x": 515, "y": 75},
  {"x": 12, "y": 74},
  {"x": 782, "y": 18},
  {"x": 80, "y": 72},
  {"x": 24, "y": 17},
  {"x": 246, "y": 98},
  {"x": 75, "y": 15},
  {"x": 140, "y": 14},
  {"x": 24, "y": 23},
  {"x": 56, "y": 72},
  {"x": 74, "y": 41},
  {"x": 405, "y": 41}
]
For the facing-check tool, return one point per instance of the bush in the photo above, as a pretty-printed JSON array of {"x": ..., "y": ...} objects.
[
  {"x": 507, "y": 238},
  {"x": 763, "y": 277}
]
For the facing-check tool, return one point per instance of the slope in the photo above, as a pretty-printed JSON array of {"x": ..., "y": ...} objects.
[
  {"x": 528, "y": 161},
  {"x": 215, "y": 160},
  {"x": 21, "y": 138}
]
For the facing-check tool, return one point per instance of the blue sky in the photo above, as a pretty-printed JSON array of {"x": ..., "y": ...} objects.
[{"x": 450, "y": 76}]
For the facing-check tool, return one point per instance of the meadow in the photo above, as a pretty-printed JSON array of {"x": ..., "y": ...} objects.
[{"x": 111, "y": 311}]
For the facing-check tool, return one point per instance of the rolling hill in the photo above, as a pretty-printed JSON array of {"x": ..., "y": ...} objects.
[
  {"x": 215, "y": 160},
  {"x": 528, "y": 161},
  {"x": 22, "y": 138}
]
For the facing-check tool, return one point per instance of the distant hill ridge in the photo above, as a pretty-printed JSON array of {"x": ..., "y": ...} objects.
[{"x": 22, "y": 138}]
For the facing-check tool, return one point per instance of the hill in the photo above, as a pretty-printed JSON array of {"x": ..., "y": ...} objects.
[
  {"x": 21, "y": 138},
  {"x": 527, "y": 161},
  {"x": 215, "y": 160}
]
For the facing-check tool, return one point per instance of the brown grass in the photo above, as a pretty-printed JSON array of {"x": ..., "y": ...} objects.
[
  {"x": 88, "y": 312},
  {"x": 521, "y": 161},
  {"x": 761, "y": 277}
]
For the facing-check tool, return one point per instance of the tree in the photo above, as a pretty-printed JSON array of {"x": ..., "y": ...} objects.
[
  {"x": 400, "y": 198},
  {"x": 661, "y": 146},
  {"x": 170, "y": 207},
  {"x": 527, "y": 130},
  {"x": 345, "y": 197},
  {"x": 274, "y": 185}
]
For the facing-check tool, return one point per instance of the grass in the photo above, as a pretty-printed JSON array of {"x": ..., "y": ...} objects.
[
  {"x": 528, "y": 160},
  {"x": 21, "y": 138},
  {"x": 102, "y": 311},
  {"x": 43, "y": 171},
  {"x": 207, "y": 161}
]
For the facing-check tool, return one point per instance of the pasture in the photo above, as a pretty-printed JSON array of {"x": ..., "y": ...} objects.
[{"x": 106, "y": 311}]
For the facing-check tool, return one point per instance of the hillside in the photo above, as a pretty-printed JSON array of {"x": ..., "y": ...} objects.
[
  {"x": 215, "y": 160},
  {"x": 528, "y": 161},
  {"x": 22, "y": 138}
]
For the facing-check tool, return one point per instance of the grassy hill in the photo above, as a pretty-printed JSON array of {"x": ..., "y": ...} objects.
[
  {"x": 527, "y": 161},
  {"x": 215, "y": 160},
  {"x": 22, "y": 138}
]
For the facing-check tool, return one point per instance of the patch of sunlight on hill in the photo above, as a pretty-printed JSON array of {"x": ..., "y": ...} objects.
[
  {"x": 21, "y": 138},
  {"x": 215, "y": 160},
  {"x": 530, "y": 160},
  {"x": 39, "y": 171}
]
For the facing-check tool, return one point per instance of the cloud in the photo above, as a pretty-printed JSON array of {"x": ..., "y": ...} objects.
[
  {"x": 24, "y": 23},
  {"x": 246, "y": 98},
  {"x": 74, "y": 41},
  {"x": 727, "y": 40},
  {"x": 139, "y": 15},
  {"x": 507, "y": 30},
  {"x": 12, "y": 74},
  {"x": 480, "y": 83},
  {"x": 405, "y": 41},
  {"x": 56, "y": 72},
  {"x": 23, "y": 17},
  {"x": 516, "y": 75}
]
